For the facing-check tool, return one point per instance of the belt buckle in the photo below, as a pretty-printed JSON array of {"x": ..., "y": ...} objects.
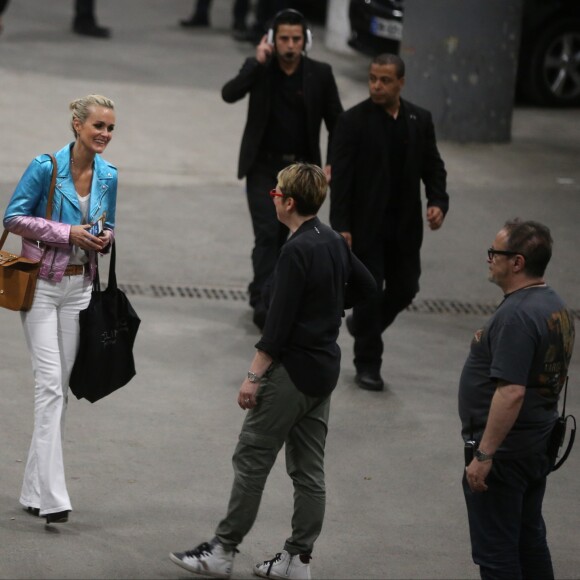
[{"x": 75, "y": 269}]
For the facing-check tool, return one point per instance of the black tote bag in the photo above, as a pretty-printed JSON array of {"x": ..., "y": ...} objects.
[{"x": 108, "y": 328}]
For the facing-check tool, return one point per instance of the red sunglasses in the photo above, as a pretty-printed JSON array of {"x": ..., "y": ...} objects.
[{"x": 274, "y": 194}]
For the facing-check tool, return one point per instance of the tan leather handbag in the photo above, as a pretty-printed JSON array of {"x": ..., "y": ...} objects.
[{"x": 18, "y": 274}]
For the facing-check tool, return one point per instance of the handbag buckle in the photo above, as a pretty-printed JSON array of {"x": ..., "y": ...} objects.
[{"x": 7, "y": 257}]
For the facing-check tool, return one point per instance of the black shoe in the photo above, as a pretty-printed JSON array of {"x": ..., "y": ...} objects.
[
  {"x": 57, "y": 518},
  {"x": 369, "y": 380},
  {"x": 350, "y": 324},
  {"x": 242, "y": 35},
  {"x": 195, "y": 22},
  {"x": 240, "y": 32},
  {"x": 253, "y": 35},
  {"x": 247, "y": 35},
  {"x": 33, "y": 511},
  {"x": 93, "y": 30},
  {"x": 255, "y": 38}
]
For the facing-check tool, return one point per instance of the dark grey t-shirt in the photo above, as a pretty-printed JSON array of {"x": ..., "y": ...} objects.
[{"x": 528, "y": 341}]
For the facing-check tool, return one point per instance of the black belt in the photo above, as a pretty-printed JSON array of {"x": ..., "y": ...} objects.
[{"x": 280, "y": 157}]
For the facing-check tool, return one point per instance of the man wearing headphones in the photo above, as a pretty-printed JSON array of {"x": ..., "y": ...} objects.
[{"x": 290, "y": 95}]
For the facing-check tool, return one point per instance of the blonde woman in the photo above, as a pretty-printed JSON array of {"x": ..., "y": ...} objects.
[{"x": 82, "y": 224}]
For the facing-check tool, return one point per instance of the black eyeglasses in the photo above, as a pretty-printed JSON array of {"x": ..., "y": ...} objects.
[{"x": 491, "y": 253}]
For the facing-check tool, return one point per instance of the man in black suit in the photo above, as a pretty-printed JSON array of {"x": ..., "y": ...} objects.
[
  {"x": 382, "y": 149},
  {"x": 290, "y": 95}
]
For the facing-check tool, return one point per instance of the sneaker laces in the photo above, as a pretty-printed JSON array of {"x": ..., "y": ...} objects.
[
  {"x": 270, "y": 563},
  {"x": 274, "y": 560},
  {"x": 204, "y": 549}
]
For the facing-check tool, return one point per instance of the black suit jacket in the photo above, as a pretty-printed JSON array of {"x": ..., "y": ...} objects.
[
  {"x": 320, "y": 97},
  {"x": 360, "y": 176}
]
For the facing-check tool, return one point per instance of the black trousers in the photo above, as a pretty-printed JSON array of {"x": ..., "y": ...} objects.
[
  {"x": 85, "y": 12},
  {"x": 396, "y": 270},
  {"x": 267, "y": 9},
  {"x": 269, "y": 233},
  {"x": 240, "y": 10},
  {"x": 507, "y": 529}
]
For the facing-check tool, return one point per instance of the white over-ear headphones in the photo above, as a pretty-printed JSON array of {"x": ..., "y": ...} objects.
[{"x": 291, "y": 11}]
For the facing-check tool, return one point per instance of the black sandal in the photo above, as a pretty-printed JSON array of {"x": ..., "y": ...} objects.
[{"x": 57, "y": 517}]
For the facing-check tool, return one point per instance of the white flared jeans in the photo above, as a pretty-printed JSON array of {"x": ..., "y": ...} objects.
[{"x": 51, "y": 329}]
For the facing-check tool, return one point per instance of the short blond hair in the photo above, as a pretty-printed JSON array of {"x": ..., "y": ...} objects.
[
  {"x": 306, "y": 184},
  {"x": 80, "y": 107}
]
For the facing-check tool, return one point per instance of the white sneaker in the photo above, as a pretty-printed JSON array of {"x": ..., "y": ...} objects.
[
  {"x": 283, "y": 565},
  {"x": 208, "y": 559}
]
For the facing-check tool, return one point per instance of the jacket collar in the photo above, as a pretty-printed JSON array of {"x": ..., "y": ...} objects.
[
  {"x": 307, "y": 226},
  {"x": 102, "y": 175},
  {"x": 101, "y": 167}
]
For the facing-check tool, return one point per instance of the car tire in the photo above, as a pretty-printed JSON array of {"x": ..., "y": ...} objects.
[{"x": 552, "y": 75}]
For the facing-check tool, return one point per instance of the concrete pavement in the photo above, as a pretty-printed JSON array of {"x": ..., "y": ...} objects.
[{"x": 149, "y": 467}]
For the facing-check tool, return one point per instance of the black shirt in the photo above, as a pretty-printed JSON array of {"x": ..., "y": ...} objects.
[
  {"x": 315, "y": 279},
  {"x": 286, "y": 131},
  {"x": 396, "y": 134}
]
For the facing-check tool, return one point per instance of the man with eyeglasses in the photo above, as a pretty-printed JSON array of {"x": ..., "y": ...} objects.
[
  {"x": 508, "y": 405},
  {"x": 382, "y": 149},
  {"x": 290, "y": 381}
]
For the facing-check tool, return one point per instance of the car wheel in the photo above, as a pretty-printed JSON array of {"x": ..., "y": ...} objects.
[{"x": 553, "y": 74}]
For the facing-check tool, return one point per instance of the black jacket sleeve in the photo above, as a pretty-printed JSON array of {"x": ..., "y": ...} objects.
[
  {"x": 343, "y": 154},
  {"x": 361, "y": 284},
  {"x": 434, "y": 175},
  {"x": 240, "y": 85},
  {"x": 332, "y": 111}
]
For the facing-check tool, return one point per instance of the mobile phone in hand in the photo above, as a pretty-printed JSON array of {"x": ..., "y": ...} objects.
[{"x": 98, "y": 226}]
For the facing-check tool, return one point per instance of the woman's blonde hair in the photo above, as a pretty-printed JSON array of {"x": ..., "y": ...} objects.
[{"x": 80, "y": 107}]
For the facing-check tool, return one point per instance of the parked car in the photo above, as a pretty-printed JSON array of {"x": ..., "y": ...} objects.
[
  {"x": 549, "y": 56},
  {"x": 376, "y": 25},
  {"x": 314, "y": 10}
]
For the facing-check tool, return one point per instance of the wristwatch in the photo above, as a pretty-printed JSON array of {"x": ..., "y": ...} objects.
[
  {"x": 253, "y": 377},
  {"x": 482, "y": 455}
]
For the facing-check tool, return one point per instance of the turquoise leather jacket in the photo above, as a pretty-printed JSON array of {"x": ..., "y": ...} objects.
[{"x": 49, "y": 239}]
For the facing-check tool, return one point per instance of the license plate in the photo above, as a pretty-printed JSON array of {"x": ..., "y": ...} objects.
[{"x": 384, "y": 28}]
